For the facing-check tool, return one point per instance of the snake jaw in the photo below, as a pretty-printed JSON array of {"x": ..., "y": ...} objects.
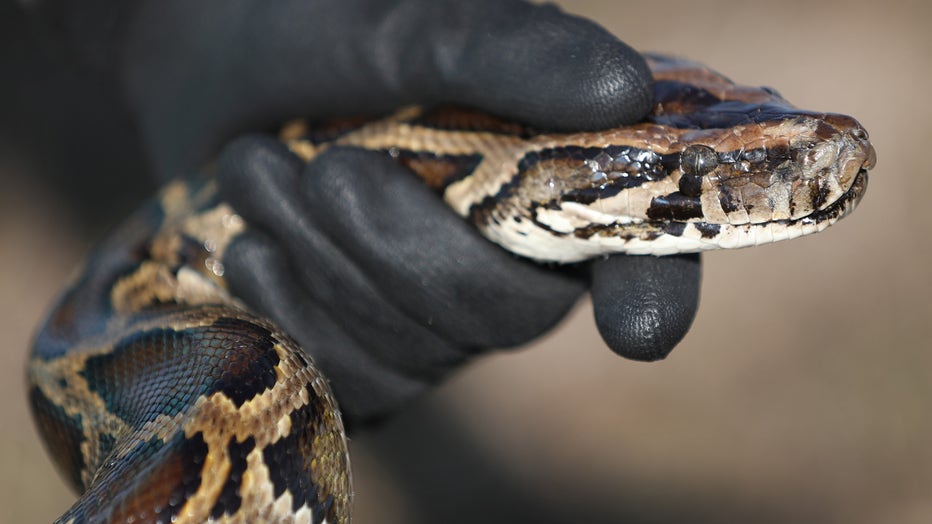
[{"x": 842, "y": 206}]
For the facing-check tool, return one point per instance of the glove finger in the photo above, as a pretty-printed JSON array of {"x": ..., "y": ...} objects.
[
  {"x": 258, "y": 176},
  {"x": 260, "y": 274},
  {"x": 434, "y": 264},
  {"x": 197, "y": 84},
  {"x": 532, "y": 63},
  {"x": 644, "y": 305}
]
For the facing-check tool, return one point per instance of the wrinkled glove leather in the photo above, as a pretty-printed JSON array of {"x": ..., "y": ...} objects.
[{"x": 366, "y": 268}]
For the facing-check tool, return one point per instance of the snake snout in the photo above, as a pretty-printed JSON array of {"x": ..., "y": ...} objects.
[
  {"x": 870, "y": 155},
  {"x": 864, "y": 155},
  {"x": 857, "y": 136}
]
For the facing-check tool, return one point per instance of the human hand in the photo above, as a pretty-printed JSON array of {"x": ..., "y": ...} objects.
[{"x": 367, "y": 269}]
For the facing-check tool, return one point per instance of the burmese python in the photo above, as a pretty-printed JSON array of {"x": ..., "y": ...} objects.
[{"x": 163, "y": 399}]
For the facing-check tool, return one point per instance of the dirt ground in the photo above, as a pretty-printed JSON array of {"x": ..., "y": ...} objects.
[{"x": 803, "y": 392}]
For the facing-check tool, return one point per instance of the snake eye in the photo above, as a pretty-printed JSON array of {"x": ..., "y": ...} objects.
[
  {"x": 698, "y": 160},
  {"x": 695, "y": 162}
]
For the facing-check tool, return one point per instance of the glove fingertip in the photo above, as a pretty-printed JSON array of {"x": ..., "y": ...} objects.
[
  {"x": 602, "y": 81},
  {"x": 645, "y": 305},
  {"x": 571, "y": 74}
]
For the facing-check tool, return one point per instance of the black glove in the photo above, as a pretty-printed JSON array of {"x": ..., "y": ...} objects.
[{"x": 384, "y": 286}]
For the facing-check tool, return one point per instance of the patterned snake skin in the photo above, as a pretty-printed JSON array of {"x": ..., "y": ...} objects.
[{"x": 162, "y": 398}]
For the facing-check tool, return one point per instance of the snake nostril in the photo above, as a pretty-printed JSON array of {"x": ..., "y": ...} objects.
[
  {"x": 871, "y": 159},
  {"x": 860, "y": 133}
]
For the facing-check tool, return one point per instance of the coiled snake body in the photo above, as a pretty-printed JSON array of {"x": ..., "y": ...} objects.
[{"x": 164, "y": 399}]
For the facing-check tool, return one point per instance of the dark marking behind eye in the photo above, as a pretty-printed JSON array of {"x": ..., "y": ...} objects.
[{"x": 675, "y": 206}]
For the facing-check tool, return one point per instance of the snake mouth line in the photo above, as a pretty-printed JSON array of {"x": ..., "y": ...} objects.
[
  {"x": 832, "y": 213},
  {"x": 814, "y": 222},
  {"x": 840, "y": 207}
]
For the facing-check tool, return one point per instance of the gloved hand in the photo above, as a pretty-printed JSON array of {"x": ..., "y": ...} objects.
[{"x": 367, "y": 269}]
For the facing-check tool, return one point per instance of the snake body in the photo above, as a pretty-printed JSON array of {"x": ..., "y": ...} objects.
[{"x": 163, "y": 398}]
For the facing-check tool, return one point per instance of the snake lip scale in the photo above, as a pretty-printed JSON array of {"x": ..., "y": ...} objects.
[
  {"x": 845, "y": 204},
  {"x": 163, "y": 398}
]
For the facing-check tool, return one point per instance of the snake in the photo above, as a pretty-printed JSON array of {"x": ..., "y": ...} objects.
[{"x": 162, "y": 397}]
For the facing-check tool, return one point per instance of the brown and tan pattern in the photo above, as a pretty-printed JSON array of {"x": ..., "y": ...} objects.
[
  {"x": 716, "y": 165},
  {"x": 163, "y": 398}
]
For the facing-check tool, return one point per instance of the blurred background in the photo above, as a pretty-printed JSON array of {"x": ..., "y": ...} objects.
[{"x": 803, "y": 392}]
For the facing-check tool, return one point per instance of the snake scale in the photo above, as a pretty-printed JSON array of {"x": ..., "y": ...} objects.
[{"x": 163, "y": 398}]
